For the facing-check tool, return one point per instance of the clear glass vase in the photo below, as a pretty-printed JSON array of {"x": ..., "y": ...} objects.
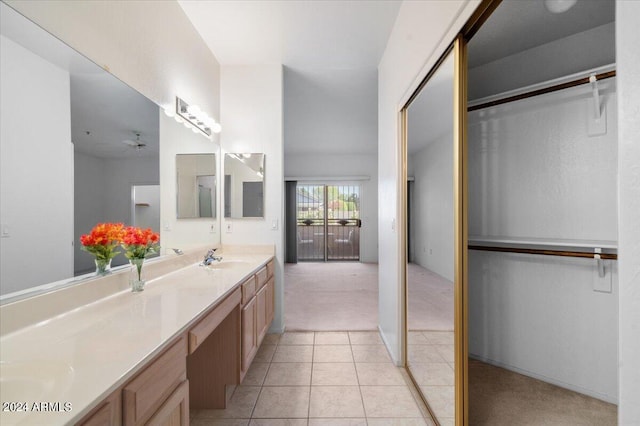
[
  {"x": 103, "y": 267},
  {"x": 136, "y": 277}
]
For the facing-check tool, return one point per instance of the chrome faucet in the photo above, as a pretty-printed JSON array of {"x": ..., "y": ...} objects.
[
  {"x": 211, "y": 257},
  {"x": 177, "y": 251}
]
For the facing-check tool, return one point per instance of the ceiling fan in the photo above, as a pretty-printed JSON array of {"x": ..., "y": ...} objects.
[{"x": 137, "y": 144}]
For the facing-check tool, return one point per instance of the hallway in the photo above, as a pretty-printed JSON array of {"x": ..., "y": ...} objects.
[
  {"x": 321, "y": 378},
  {"x": 331, "y": 296}
]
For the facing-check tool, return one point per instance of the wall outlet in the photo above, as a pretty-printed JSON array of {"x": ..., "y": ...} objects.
[
  {"x": 167, "y": 226},
  {"x": 5, "y": 231},
  {"x": 229, "y": 227},
  {"x": 212, "y": 228}
]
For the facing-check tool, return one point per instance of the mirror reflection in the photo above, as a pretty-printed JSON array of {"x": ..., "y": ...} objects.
[
  {"x": 430, "y": 242},
  {"x": 196, "y": 185},
  {"x": 79, "y": 147},
  {"x": 244, "y": 185}
]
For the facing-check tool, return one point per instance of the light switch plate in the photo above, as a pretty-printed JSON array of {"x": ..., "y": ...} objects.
[
  {"x": 229, "y": 227},
  {"x": 274, "y": 225}
]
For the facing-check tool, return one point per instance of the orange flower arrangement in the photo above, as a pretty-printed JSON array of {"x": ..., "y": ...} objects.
[
  {"x": 139, "y": 243},
  {"x": 103, "y": 240}
]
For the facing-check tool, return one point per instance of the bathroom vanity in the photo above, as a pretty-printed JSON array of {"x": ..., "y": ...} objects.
[{"x": 144, "y": 358}]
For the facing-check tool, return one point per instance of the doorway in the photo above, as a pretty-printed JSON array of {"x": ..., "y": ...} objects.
[{"x": 328, "y": 222}]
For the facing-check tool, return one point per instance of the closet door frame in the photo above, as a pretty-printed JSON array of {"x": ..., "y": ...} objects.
[{"x": 460, "y": 202}]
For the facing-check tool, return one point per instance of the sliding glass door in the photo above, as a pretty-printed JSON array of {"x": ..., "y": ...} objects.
[{"x": 328, "y": 222}]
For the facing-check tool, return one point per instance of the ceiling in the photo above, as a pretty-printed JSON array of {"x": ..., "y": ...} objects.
[
  {"x": 330, "y": 50},
  {"x": 100, "y": 103},
  {"x": 431, "y": 112},
  {"x": 298, "y": 34},
  {"x": 518, "y": 25}
]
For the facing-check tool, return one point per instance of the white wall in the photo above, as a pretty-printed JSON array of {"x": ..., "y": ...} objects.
[
  {"x": 89, "y": 205},
  {"x": 432, "y": 205},
  {"x": 422, "y": 32},
  {"x": 36, "y": 206},
  {"x": 103, "y": 194},
  {"x": 589, "y": 49},
  {"x": 146, "y": 216},
  {"x": 183, "y": 233},
  {"x": 154, "y": 48},
  {"x": 535, "y": 172},
  {"x": 628, "y": 64},
  {"x": 326, "y": 165},
  {"x": 252, "y": 112}
]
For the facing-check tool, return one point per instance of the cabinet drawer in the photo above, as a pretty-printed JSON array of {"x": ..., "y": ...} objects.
[
  {"x": 270, "y": 268},
  {"x": 248, "y": 289},
  {"x": 261, "y": 277},
  {"x": 108, "y": 413},
  {"x": 208, "y": 324},
  {"x": 146, "y": 392}
]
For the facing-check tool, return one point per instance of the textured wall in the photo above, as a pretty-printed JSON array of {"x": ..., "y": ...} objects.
[{"x": 628, "y": 58}]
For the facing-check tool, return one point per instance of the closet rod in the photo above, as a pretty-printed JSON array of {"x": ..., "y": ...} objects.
[
  {"x": 543, "y": 252},
  {"x": 555, "y": 88}
]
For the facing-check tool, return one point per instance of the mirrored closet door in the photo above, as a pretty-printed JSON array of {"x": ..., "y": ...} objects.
[{"x": 430, "y": 240}]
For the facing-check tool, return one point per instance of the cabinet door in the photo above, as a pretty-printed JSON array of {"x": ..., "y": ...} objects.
[
  {"x": 271, "y": 294},
  {"x": 109, "y": 413},
  {"x": 249, "y": 334},
  {"x": 261, "y": 313},
  {"x": 175, "y": 410}
]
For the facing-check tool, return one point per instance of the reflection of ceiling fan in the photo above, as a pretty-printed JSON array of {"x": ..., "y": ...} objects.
[{"x": 137, "y": 144}]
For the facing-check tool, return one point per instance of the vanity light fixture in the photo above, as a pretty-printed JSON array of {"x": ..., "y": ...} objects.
[{"x": 194, "y": 117}]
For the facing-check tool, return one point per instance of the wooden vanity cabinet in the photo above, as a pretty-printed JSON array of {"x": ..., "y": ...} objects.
[
  {"x": 158, "y": 391},
  {"x": 257, "y": 313},
  {"x": 108, "y": 413},
  {"x": 221, "y": 345}
]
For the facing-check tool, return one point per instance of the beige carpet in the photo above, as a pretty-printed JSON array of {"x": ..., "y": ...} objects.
[
  {"x": 501, "y": 397},
  {"x": 430, "y": 300},
  {"x": 331, "y": 296}
]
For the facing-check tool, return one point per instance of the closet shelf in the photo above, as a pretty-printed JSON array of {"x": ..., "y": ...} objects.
[{"x": 542, "y": 246}]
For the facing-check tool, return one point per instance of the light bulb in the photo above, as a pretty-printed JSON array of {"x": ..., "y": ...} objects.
[
  {"x": 169, "y": 112},
  {"x": 193, "y": 110},
  {"x": 179, "y": 119},
  {"x": 216, "y": 128},
  {"x": 559, "y": 6}
]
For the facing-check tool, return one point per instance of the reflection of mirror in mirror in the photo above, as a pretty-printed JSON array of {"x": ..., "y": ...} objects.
[
  {"x": 196, "y": 186},
  {"x": 430, "y": 242},
  {"x": 79, "y": 147},
  {"x": 244, "y": 185}
]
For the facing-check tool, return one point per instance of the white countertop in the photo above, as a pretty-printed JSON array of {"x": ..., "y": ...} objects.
[{"x": 81, "y": 356}]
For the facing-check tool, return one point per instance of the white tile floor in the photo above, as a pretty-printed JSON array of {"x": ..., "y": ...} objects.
[
  {"x": 321, "y": 379},
  {"x": 430, "y": 355}
]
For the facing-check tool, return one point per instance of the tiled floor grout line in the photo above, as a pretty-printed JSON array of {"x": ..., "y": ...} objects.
[
  {"x": 364, "y": 410},
  {"x": 313, "y": 354}
]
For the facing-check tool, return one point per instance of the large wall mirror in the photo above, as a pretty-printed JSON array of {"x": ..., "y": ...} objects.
[
  {"x": 79, "y": 147},
  {"x": 430, "y": 241},
  {"x": 244, "y": 186},
  {"x": 196, "y": 186}
]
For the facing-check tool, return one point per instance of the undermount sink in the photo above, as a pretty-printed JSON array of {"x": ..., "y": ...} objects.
[{"x": 34, "y": 380}]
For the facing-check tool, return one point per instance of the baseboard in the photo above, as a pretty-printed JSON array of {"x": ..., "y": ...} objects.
[
  {"x": 386, "y": 345},
  {"x": 560, "y": 383}
]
